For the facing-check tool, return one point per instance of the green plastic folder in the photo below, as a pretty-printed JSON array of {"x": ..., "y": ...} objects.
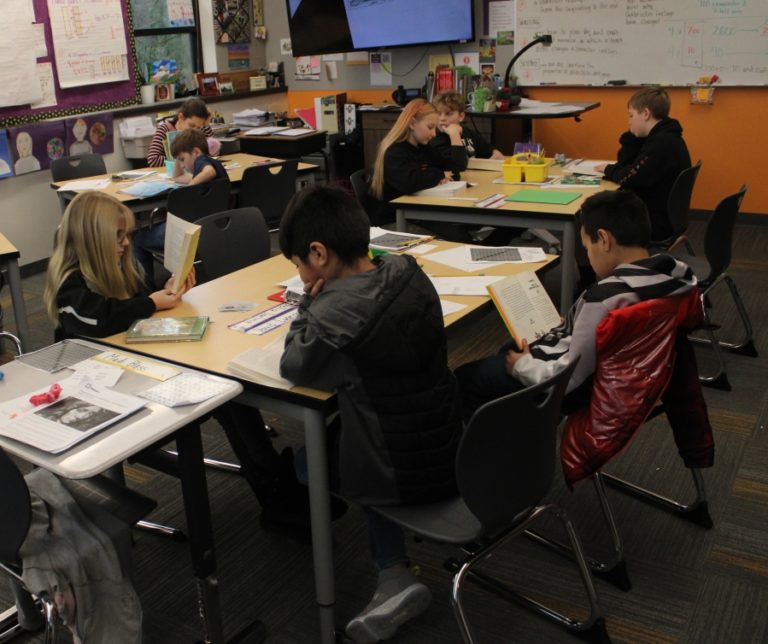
[{"x": 544, "y": 196}]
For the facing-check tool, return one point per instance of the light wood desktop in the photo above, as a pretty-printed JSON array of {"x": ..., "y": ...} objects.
[
  {"x": 9, "y": 260},
  {"x": 461, "y": 208},
  {"x": 239, "y": 162},
  {"x": 311, "y": 406},
  {"x": 128, "y": 437}
]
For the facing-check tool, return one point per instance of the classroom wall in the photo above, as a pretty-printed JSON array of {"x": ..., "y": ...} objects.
[
  {"x": 30, "y": 210},
  {"x": 730, "y": 136}
]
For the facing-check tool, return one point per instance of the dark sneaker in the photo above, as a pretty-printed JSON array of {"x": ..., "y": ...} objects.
[{"x": 387, "y": 612}]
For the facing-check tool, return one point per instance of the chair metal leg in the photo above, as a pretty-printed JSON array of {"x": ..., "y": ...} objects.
[
  {"x": 696, "y": 512},
  {"x": 614, "y": 571},
  {"x": 592, "y": 629},
  {"x": 719, "y": 380}
]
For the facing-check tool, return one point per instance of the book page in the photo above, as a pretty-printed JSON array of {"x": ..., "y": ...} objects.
[
  {"x": 181, "y": 239},
  {"x": 524, "y": 306}
]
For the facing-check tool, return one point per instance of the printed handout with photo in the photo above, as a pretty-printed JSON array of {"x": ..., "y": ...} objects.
[
  {"x": 86, "y": 134},
  {"x": 77, "y": 414},
  {"x": 6, "y": 164},
  {"x": 34, "y": 146}
]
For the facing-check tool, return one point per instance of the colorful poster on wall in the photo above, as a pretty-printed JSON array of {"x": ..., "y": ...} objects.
[
  {"x": 33, "y": 146},
  {"x": 5, "y": 156},
  {"x": 239, "y": 56},
  {"x": 89, "y": 134},
  {"x": 231, "y": 21}
]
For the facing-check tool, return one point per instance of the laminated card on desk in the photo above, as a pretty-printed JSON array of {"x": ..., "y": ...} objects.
[
  {"x": 524, "y": 305},
  {"x": 395, "y": 241},
  {"x": 544, "y": 196},
  {"x": 180, "y": 248}
]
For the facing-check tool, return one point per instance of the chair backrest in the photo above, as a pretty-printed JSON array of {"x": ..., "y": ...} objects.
[
  {"x": 718, "y": 238},
  {"x": 193, "y": 202},
  {"x": 361, "y": 184},
  {"x": 15, "y": 509},
  {"x": 77, "y": 167},
  {"x": 269, "y": 188},
  {"x": 231, "y": 240},
  {"x": 679, "y": 200},
  {"x": 506, "y": 457}
]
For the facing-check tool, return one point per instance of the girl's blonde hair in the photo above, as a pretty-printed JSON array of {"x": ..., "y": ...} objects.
[
  {"x": 417, "y": 109},
  {"x": 87, "y": 241}
]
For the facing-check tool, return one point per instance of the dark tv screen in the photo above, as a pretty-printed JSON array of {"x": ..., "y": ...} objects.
[{"x": 336, "y": 26}]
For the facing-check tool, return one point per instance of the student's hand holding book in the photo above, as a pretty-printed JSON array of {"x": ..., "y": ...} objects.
[
  {"x": 166, "y": 299},
  {"x": 513, "y": 356}
]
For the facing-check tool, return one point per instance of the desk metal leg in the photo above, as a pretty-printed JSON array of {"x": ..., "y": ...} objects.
[
  {"x": 19, "y": 309},
  {"x": 568, "y": 267},
  {"x": 194, "y": 491},
  {"x": 320, "y": 508},
  {"x": 400, "y": 220}
]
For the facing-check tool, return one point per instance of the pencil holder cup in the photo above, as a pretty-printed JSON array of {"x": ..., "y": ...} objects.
[
  {"x": 513, "y": 172},
  {"x": 169, "y": 167}
]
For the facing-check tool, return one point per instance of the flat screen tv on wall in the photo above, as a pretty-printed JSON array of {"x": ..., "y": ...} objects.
[{"x": 336, "y": 26}]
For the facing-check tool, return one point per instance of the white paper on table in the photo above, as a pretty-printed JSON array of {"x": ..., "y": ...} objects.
[
  {"x": 451, "y": 307},
  {"x": 294, "y": 282},
  {"x": 79, "y": 412},
  {"x": 585, "y": 166},
  {"x": 421, "y": 249},
  {"x": 97, "y": 373},
  {"x": 185, "y": 389},
  {"x": 470, "y": 285},
  {"x": 84, "y": 184},
  {"x": 457, "y": 258}
]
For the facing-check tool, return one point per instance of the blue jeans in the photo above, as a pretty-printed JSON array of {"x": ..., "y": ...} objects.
[
  {"x": 386, "y": 539},
  {"x": 146, "y": 240}
]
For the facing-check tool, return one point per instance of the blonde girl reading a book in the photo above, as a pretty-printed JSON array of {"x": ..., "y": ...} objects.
[
  {"x": 94, "y": 287},
  {"x": 405, "y": 163}
]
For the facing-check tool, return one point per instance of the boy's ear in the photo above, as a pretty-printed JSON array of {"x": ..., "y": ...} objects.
[{"x": 318, "y": 253}]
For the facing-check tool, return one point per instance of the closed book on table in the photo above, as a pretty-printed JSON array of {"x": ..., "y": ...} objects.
[{"x": 172, "y": 329}]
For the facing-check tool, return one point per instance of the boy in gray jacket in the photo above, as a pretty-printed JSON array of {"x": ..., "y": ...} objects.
[{"x": 372, "y": 331}]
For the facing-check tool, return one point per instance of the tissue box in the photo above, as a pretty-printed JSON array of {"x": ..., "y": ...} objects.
[{"x": 136, "y": 147}]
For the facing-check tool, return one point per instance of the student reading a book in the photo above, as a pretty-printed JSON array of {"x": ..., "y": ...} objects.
[
  {"x": 94, "y": 288},
  {"x": 405, "y": 162},
  {"x": 372, "y": 331},
  {"x": 615, "y": 230},
  {"x": 456, "y": 141},
  {"x": 192, "y": 114},
  {"x": 652, "y": 155},
  {"x": 193, "y": 163}
]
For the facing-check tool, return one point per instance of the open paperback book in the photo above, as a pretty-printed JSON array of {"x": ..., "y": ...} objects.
[
  {"x": 261, "y": 365},
  {"x": 82, "y": 410},
  {"x": 524, "y": 306},
  {"x": 181, "y": 239}
]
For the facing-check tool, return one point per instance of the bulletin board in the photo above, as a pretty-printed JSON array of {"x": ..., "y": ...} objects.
[
  {"x": 643, "y": 41},
  {"x": 87, "y": 98}
]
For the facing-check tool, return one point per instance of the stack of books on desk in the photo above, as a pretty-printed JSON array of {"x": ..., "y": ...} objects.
[{"x": 250, "y": 117}]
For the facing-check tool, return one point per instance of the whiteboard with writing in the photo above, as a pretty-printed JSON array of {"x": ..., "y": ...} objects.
[
  {"x": 643, "y": 41},
  {"x": 89, "y": 41}
]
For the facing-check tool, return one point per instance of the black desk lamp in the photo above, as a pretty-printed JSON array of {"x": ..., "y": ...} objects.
[{"x": 546, "y": 40}]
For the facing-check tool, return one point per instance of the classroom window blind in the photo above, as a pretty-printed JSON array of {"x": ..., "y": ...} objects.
[{"x": 167, "y": 41}]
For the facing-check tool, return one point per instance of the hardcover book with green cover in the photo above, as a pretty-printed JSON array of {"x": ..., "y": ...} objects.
[{"x": 182, "y": 329}]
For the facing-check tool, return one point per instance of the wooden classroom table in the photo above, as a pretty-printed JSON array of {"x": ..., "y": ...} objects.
[
  {"x": 221, "y": 344},
  {"x": 9, "y": 260},
  {"x": 461, "y": 208},
  {"x": 239, "y": 160}
]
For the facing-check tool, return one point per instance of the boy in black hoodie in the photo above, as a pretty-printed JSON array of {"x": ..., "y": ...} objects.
[{"x": 652, "y": 155}]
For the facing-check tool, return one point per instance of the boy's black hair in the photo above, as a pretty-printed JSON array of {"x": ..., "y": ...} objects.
[
  {"x": 327, "y": 215},
  {"x": 621, "y": 212},
  {"x": 187, "y": 141}
]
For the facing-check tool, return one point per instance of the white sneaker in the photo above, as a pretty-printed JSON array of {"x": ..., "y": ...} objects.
[{"x": 386, "y": 613}]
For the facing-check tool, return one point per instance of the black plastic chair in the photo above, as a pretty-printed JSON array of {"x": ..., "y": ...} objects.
[
  {"x": 504, "y": 468},
  {"x": 96, "y": 496},
  {"x": 711, "y": 272},
  {"x": 269, "y": 188},
  {"x": 361, "y": 183},
  {"x": 77, "y": 167},
  {"x": 193, "y": 202},
  {"x": 679, "y": 207},
  {"x": 231, "y": 240}
]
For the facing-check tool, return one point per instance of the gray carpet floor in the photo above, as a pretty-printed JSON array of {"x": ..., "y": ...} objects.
[{"x": 690, "y": 585}]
